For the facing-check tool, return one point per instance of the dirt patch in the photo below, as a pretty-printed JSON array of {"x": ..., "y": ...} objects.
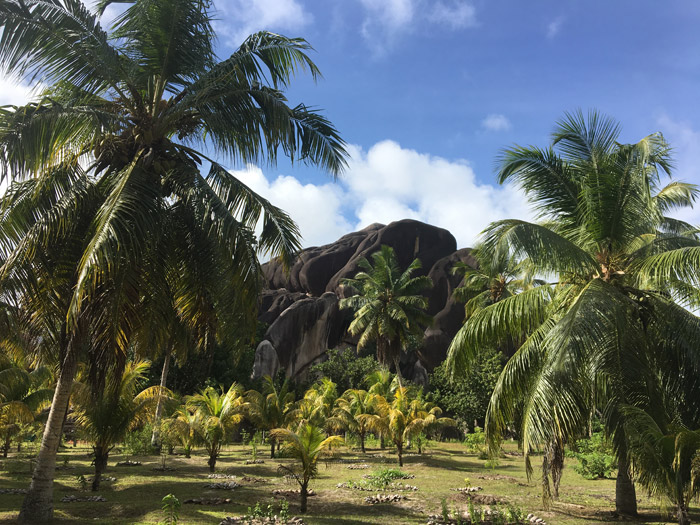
[{"x": 483, "y": 499}]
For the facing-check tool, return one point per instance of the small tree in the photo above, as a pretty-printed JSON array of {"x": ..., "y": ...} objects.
[
  {"x": 218, "y": 413},
  {"x": 105, "y": 417},
  {"x": 184, "y": 425},
  {"x": 306, "y": 446},
  {"x": 350, "y": 410},
  {"x": 270, "y": 409}
]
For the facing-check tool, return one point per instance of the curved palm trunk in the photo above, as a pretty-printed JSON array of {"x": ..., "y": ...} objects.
[
  {"x": 625, "y": 494},
  {"x": 399, "y": 450},
  {"x": 155, "y": 437},
  {"x": 272, "y": 448},
  {"x": 101, "y": 456},
  {"x": 362, "y": 442},
  {"x": 37, "y": 506}
]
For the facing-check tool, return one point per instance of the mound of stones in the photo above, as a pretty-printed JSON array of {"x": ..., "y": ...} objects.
[
  {"x": 254, "y": 461},
  {"x": 534, "y": 519},
  {"x": 13, "y": 491},
  {"x": 242, "y": 520},
  {"x": 220, "y": 476},
  {"x": 468, "y": 489},
  {"x": 76, "y": 499},
  {"x": 224, "y": 485},
  {"x": 291, "y": 492},
  {"x": 207, "y": 501},
  {"x": 360, "y": 466},
  {"x": 402, "y": 476},
  {"x": 104, "y": 478},
  {"x": 129, "y": 463},
  {"x": 384, "y": 498},
  {"x": 251, "y": 479},
  {"x": 390, "y": 486}
]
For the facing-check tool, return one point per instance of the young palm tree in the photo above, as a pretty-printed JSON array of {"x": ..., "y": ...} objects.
[
  {"x": 124, "y": 120},
  {"x": 218, "y": 413},
  {"x": 270, "y": 409},
  {"x": 183, "y": 422},
  {"x": 23, "y": 394},
  {"x": 350, "y": 411},
  {"x": 306, "y": 446},
  {"x": 388, "y": 307},
  {"x": 599, "y": 335},
  {"x": 106, "y": 417}
]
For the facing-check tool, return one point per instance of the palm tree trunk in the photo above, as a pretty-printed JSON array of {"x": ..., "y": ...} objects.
[
  {"x": 682, "y": 511},
  {"x": 101, "y": 456},
  {"x": 272, "y": 448},
  {"x": 303, "y": 496},
  {"x": 212, "y": 462},
  {"x": 155, "y": 437},
  {"x": 625, "y": 495},
  {"x": 6, "y": 446},
  {"x": 37, "y": 506},
  {"x": 362, "y": 442},
  {"x": 399, "y": 449}
]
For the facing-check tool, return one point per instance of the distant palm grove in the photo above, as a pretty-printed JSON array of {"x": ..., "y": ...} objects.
[{"x": 130, "y": 281}]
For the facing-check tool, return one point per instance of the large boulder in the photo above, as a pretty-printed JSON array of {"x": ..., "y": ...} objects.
[{"x": 301, "y": 302}]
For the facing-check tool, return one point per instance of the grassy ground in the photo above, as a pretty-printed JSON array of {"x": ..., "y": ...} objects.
[{"x": 136, "y": 495}]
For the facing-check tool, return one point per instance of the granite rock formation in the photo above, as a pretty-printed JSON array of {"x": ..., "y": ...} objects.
[{"x": 301, "y": 304}]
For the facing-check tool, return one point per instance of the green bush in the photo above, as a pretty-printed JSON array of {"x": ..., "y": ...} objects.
[
  {"x": 595, "y": 457},
  {"x": 138, "y": 442}
]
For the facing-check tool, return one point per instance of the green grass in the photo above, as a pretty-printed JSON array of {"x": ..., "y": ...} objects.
[{"x": 136, "y": 495}]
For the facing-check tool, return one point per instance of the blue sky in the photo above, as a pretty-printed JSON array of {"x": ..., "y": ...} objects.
[{"x": 428, "y": 92}]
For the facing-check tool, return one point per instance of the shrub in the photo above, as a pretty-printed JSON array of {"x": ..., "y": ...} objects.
[
  {"x": 138, "y": 442},
  {"x": 595, "y": 456}
]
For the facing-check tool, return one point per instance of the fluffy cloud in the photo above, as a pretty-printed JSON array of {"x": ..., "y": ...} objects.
[
  {"x": 12, "y": 92},
  {"x": 240, "y": 18},
  {"x": 389, "y": 183},
  {"x": 385, "y": 20},
  {"x": 317, "y": 210},
  {"x": 496, "y": 122}
]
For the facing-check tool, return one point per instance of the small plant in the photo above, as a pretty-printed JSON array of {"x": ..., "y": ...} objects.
[
  {"x": 467, "y": 482},
  {"x": 445, "y": 510},
  {"x": 515, "y": 514},
  {"x": 268, "y": 512},
  {"x": 171, "y": 509},
  {"x": 491, "y": 463},
  {"x": 475, "y": 441},
  {"x": 82, "y": 482},
  {"x": 595, "y": 456}
]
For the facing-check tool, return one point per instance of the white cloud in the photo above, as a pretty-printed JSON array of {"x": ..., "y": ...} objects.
[
  {"x": 685, "y": 141},
  {"x": 240, "y": 18},
  {"x": 554, "y": 27},
  {"x": 496, "y": 122},
  {"x": 12, "y": 92},
  {"x": 389, "y": 183},
  {"x": 315, "y": 208},
  {"x": 454, "y": 15},
  {"x": 385, "y": 20}
]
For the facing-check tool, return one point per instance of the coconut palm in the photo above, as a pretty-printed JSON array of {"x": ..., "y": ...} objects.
[
  {"x": 183, "y": 424},
  {"x": 105, "y": 417},
  {"x": 599, "y": 335},
  {"x": 218, "y": 413},
  {"x": 270, "y": 409},
  {"x": 23, "y": 394},
  {"x": 305, "y": 446},
  {"x": 128, "y": 111},
  {"x": 389, "y": 309},
  {"x": 350, "y": 411}
]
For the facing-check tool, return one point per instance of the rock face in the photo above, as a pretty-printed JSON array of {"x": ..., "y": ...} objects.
[{"x": 301, "y": 305}]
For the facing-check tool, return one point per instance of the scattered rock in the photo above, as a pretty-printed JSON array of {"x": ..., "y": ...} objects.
[
  {"x": 103, "y": 478},
  {"x": 13, "y": 491},
  {"x": 534, "y": 519},
  {"x": 207, "y": 501},
  {"x": 225, "y": 485},
  {"x": 221, "y": 476},
  {"x": 390, "y": 486},
  {"x": 403, "y": 476},
  {"x": 384, "y": 498},
  {"x": 358, "y": 466},
  {"x": 73, "y": 499},
  {"x": 254, "y": 461},
  {"x": 129, "y": 463},
  {"x": 468, "y": 489}
]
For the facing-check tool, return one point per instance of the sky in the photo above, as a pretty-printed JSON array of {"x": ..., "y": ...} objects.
[{"x": 427, "y": 93}]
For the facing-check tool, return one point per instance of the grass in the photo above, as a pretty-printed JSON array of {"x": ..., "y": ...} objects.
[{"x": 136, "y": 495}]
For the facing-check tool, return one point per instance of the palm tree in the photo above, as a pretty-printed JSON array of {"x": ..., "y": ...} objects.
[
  {"x": 135, "y": 105},
  {"x": 183, "y": 422},
  {"x": 270, "y": 409},
  {"x": 105, "y": 417},
  {"x": 350, "y": 411},
  {"x": 389, "y": 309},
  {"x": 218, "y": 413},
  {"x": 597, "y": 337},
  {"x": 23, "y": 394},
  {"x": 306, "y": 446}
]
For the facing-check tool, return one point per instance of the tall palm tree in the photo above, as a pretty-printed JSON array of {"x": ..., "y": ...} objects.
[
  {"x": 389, "y": 309},
  {"x": 271, "y": 408},
  {"x": 126, "y": 117},
  {"x": 601, "y": 334},
  {"x": 105, "y": 417},
  {"x": 306, "y": 446},
  {"x": 218, "y": 413}
]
